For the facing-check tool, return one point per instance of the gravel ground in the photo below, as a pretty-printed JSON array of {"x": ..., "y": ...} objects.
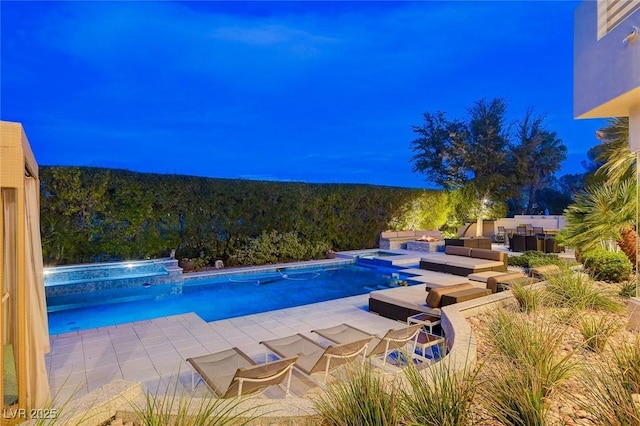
[{"x": 564, "y": 408}]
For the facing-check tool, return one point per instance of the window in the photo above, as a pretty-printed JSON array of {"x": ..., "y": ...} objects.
[{"x": 613, "y": 12}]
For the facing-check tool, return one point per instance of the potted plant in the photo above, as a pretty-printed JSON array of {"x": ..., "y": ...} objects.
[{"x": 187, "y": 264}]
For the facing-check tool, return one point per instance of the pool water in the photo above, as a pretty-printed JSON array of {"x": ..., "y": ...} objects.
[
  {"x": 377, "y": 253},
  {"x": 215, "y": 298}
]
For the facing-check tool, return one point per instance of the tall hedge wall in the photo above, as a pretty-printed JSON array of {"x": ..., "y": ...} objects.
[{"x": 95, "y": 214}]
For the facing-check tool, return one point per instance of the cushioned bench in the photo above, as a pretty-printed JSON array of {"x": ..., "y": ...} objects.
[
  {"x": 463, "y": 261},
  {"x": 400, "y": 303},
  {"x": 542, "y": 271},
  {"x": 502, "y": 282},
  {"x": 403, "y": 302}
]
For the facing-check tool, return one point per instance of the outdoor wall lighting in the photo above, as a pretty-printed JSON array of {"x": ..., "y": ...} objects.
[{"x": 633, "y": 36}]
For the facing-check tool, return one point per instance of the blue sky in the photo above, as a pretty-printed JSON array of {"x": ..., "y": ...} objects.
[{"x": 303, "y": 91}]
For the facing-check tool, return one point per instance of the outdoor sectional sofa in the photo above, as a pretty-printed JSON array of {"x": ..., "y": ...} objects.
[
  {"x": 463, "y": 261},
  {"x": 403, "y": 302}
]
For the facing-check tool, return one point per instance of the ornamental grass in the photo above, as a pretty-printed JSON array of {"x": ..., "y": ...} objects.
[
  {"x": 177, "y": 408},
  {"x": 576, "y": 290},
  {"x": 597, "y": 331},
  {"x": 439, "y": 396},
  {"x": 360, "y": 397}
]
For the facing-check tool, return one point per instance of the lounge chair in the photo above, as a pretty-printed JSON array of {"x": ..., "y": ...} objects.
[
  {"x": 393, "y": 339},
  {"x": 313, "y": 357},
  {"x": 232, "y": 373}
]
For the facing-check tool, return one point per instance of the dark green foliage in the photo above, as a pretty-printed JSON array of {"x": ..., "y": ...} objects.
[
  {"x": 93, "y": 214},
  {"x": 609, "y": 266},
  {"x": 531, "y": 259},
  {"x": 272, "y": 247}
]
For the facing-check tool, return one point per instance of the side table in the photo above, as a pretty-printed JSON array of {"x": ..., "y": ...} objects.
[
  {"x": 427, "y": 320},
  {"x": 425, "y": 341}
]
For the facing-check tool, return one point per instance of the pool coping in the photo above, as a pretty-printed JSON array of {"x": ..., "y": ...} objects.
[{"x": 252, "y": 269}]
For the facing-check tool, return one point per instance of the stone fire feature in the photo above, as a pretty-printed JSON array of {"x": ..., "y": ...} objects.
[
  {"x": 394, "y": 240},
  {"x": 426, "y": 246}
]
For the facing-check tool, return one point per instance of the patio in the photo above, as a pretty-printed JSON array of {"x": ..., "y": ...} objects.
[{"x": 153, "y": 352}]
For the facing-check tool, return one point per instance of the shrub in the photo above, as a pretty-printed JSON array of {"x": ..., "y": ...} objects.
[
  {"x": 272, "y": 247},
  {"x": 609, "y": 266},
  {"x": 360, "y": 398},
  {"x": 531, "y": 259},
  {"x": 596, "y": 332},
  {"x": 568, "y": 316}
]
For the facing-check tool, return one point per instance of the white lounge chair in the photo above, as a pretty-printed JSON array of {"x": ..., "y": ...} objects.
[
  {"x": 313, "y": 357},
  {"x": 232, "y": 373},
  {"x": 393, "y": 340}
]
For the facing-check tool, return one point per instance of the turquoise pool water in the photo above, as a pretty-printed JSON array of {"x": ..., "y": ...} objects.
[{"x": 216, "y": 297}]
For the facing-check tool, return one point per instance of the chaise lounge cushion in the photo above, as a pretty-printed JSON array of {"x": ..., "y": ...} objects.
[
  {"x": 434, "y": 297},
  {"x": 410, "y": 299},
  {"x": 464, "y": 295},
  {"x": 467, "y": 262}
]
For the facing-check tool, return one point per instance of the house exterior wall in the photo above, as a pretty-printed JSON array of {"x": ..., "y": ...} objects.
[{"x": 606, "y": 71}]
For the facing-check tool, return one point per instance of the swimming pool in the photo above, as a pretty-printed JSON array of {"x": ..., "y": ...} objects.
[{"x": 215, "y": 298}]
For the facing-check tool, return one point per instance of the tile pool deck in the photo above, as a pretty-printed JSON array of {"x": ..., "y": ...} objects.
[{"x": 152, "y": 352}]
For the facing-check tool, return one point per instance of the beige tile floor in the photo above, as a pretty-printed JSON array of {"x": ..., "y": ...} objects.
[{"x": 153, "y": 352}]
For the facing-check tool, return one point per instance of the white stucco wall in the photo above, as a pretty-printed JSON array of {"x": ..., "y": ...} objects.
[{"x": 606, "y": 71}]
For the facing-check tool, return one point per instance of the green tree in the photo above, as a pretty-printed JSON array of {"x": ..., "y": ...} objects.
[
  {"x": 617, "y": 162},
  {"x": 477, "y": 156},
  {"x": 439, "y": 150},
  {"x": 603, "y": 216},
  {"x": 571, "y": 184},
  {"x": 606, "y": 211},
  {"x": 469, "y": 156},
  {"x": 538, "y": 154}
]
